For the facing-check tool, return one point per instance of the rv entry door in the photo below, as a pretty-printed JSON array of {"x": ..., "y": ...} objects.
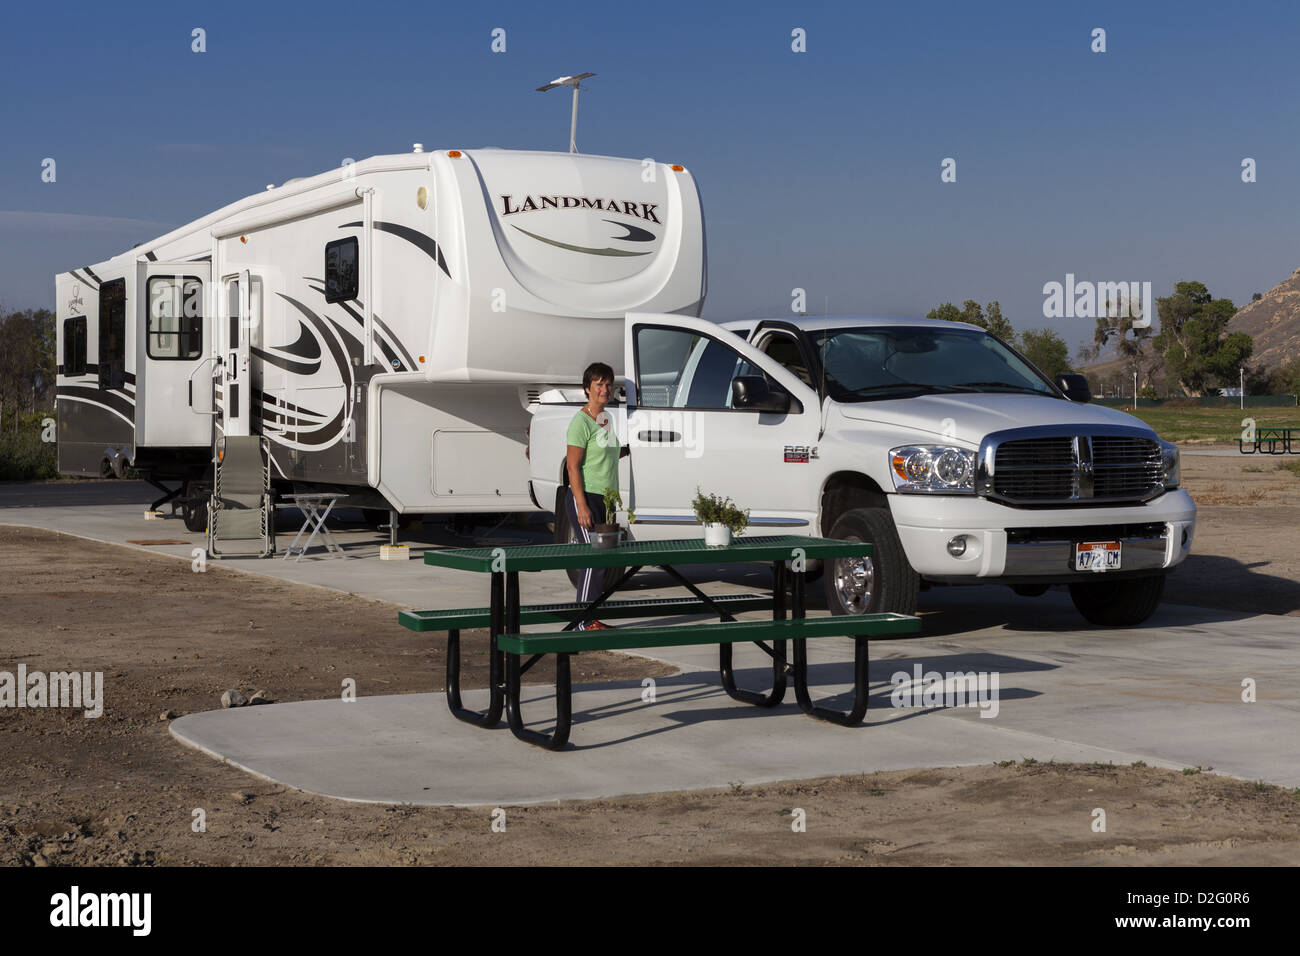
[
  {"x": 173, "y": 355},
  {"x": 236, "y": 333}
]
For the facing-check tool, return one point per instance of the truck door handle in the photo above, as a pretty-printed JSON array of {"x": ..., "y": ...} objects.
[{"x": 659, "y": 436}]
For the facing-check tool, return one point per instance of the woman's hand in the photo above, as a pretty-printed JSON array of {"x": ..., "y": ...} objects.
[{"x": 584, "y": 514}]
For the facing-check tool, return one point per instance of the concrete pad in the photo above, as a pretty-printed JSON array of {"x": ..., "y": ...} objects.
[
  {"x": 408, "y": 749},
  {"x": 1169, "y": 695}
]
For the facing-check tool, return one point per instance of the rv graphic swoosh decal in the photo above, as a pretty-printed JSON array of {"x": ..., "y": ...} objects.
[
  {"x": 306, "y": 347},
  {"x": 424, "y": 242},
  {"x": 588, "y": 250},
  {"x": 634, "y": 233}
]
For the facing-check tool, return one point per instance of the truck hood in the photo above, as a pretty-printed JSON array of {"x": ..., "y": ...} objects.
[{"x": 976, "y": 414}]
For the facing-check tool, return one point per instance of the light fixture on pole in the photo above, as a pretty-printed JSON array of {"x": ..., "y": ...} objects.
[{"x": 576, "y": 83}]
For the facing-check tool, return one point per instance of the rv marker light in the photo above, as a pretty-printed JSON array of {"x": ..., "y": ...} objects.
[
  {"x": 454, "y": 153},
  {"x": 677, "y": 169}
]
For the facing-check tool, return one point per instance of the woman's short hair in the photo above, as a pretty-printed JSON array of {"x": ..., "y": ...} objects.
[{"x": 596, "y": 372}]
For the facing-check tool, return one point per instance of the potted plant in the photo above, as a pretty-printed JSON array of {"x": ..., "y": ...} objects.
[
  {"x": 720, "y": 517},
  {"x": 607, "y": 535}
]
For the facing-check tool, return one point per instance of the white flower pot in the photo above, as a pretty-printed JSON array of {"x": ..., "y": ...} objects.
[{"x": 717, "y": 534}]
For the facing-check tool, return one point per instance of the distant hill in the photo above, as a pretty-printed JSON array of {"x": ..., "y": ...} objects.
[{"x": 1274, "y": 323}]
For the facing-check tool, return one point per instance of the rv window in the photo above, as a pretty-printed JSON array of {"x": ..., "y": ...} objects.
[
  {"x": 74, "y": 346},
  {"x": 175, "y": 317},
  {"x": 341, "y": 270},
  {"x": 112, "y": 334}
]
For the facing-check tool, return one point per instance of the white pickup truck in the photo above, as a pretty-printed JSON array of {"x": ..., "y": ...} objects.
[{"x": 948, "y": 451}]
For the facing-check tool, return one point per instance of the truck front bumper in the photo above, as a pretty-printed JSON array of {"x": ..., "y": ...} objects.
[{"x": 1038, "y": 544}]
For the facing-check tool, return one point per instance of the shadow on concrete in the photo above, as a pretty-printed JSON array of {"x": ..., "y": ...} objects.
[{"x": 679, "y": 689}]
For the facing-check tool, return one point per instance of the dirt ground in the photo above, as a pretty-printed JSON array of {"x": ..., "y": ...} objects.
[{"x": 119, "y": 790}]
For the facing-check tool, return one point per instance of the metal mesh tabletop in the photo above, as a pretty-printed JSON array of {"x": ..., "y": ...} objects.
[{"x": 546, "y": 557}]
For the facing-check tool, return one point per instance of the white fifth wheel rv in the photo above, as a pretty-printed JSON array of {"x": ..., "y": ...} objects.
[{"x": 384, "y": 326}]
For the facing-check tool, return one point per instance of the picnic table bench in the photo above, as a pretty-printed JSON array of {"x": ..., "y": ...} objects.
[
  {"x": 1269, "y": 440},
  {"x": 508, "y": 645}
]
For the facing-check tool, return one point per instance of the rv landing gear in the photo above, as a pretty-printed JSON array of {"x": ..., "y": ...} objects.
[{"x": 168, "y": 496}]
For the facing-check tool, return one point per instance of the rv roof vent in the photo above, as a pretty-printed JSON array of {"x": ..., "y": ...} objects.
[
  {"x": 270, "y": 186},
  {"x": 417, "y": 148},
  {"x": 289, "y": 182}
]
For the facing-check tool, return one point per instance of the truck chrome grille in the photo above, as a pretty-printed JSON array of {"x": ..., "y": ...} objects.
[{"x": 1051, "y": 469}]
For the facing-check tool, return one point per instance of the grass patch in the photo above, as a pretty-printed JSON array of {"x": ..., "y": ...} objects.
[{"x": 1212, "y": 424}]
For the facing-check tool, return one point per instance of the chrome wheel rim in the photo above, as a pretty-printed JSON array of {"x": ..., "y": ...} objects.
[{"x": 855, "y": 582}]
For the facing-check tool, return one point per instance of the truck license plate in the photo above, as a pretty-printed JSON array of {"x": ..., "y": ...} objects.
[{"x": 1097, "y": 556}]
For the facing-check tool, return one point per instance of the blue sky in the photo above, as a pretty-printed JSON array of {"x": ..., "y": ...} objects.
[{"x": 818, "y": 170}]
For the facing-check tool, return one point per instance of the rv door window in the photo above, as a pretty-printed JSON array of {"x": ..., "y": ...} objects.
[
  {"x": 74, "y": 346},
  {"x": 112, "y": 334},
  {"x": 341, "y": 270},
  {"x": 679, "y": 368},
  {"x": 175, "y": 317}
]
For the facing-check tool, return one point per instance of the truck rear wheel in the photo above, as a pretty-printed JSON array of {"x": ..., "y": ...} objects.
[
  {"x": 882, "y": 582},
  {"x": 1126, "y": 602},
  {"x": 566, "y": 534}
]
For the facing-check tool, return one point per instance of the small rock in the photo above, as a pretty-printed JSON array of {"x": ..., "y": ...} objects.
[
  {"x": 167, "y": 715},
  {"x": 233, "y": 698},
  {"x": 242, "y": 796},
  {"x": 260, "y": 697}
]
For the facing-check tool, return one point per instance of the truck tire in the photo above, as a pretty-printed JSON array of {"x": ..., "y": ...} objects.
[
  {"x": 195, "y": 513},
  {"x": 564, "y": 534},
  {"x": 1123, "y": 603},
  {"x": 883, "y": 582}
]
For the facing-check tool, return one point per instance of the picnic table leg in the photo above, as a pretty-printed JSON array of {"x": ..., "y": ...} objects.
[
  {"x": 492, "y": 716},
  {"x": 779, "y": 663},
  {"x": 514, "y": 683},
  {"x": 861, "y": 659}
]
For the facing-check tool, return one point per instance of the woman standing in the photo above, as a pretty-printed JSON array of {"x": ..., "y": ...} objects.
[{"x": 592, "y": 464}]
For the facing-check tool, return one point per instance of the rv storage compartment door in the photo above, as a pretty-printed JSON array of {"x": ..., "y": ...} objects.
[{"x": 174, "y": 368}]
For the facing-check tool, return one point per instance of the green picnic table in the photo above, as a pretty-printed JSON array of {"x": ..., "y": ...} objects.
[{"x": 788, "y": 555}]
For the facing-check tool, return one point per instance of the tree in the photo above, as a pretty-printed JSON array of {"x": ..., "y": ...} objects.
[
  {"x": 1256, "y": 297},
  {"x": 1047, "y": 350},
  {"x": 1135, "y": 346},
  {"x": 27, "y": 361},
  {"x": 1194, "y": 339},
  {"x": 1283, "y": 380},
  {"x": 992, "y": 321}
]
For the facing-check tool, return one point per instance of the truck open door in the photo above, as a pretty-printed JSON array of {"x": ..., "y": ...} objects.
[
  {"x": 708, "y": 411},
  {"x": 173, "y": 355}
]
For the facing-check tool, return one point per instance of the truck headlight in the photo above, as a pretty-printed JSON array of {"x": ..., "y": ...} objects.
[
  {"x": 933, "y": 469},
  {"x": 1169, "y": 463}
]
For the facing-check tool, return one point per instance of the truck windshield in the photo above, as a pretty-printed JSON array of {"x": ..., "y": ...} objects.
[{"x": 873, "y": 364}]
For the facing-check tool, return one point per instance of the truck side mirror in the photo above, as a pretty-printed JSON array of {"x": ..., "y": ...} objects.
[
  {"x": 753, "y": 392},
  {"x": 1074, "y": 386}
]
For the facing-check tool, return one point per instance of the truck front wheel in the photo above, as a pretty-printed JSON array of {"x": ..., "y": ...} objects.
[
  {"x": 882, "y": 582},
  {"x": 1121, "y": 603}
]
